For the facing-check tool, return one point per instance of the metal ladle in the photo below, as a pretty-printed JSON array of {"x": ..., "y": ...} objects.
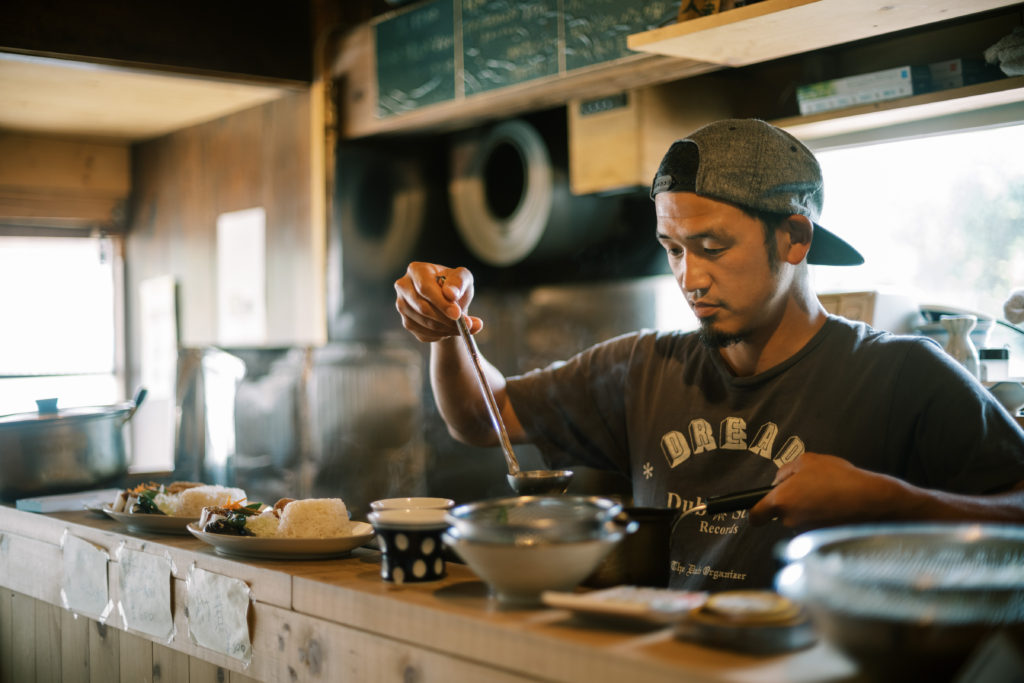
[{"x": 525, "y": 483}]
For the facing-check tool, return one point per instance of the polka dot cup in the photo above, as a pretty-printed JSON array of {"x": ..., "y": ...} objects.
[{"x": 410, "y": 541}]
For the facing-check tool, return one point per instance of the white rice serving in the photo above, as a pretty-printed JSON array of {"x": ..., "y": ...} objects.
[
  {"x": 190, "y": 502},
  {"x": 314, "y": 518},
  {"x": 264, "y": 524}
]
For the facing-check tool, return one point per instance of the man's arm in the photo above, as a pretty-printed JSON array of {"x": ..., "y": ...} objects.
[
  {"x": 821, "y": 490},
  {"x": 430, "y": 298}
]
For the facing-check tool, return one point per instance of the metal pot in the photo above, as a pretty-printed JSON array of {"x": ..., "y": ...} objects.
[
  {"x": 642, "y": 559},
  {"x": 68, "y": 449}
]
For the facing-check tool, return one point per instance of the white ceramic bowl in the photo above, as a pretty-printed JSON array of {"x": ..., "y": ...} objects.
[
  {"x": 1010, "y": 393},
  {"x": 517, "y": 575},
  {"x": 525, "y": 520},
  {"x": 412, "y": 503}
]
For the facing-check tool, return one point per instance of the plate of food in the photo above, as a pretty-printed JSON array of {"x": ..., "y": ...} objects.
[
  {"x": 314, "y": 528},
  {"x": 167, "y": 509}
]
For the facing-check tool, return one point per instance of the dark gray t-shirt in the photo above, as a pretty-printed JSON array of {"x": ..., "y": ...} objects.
[{"x": 666, "y": 412}]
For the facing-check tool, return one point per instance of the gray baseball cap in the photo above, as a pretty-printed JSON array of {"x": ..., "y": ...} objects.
[{"x": 756, "y": 166}]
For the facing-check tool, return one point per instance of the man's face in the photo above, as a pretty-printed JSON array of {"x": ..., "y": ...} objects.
[{"x": 722, "y": 265}]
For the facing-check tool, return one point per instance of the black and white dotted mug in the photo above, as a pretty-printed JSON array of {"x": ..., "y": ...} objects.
[{"x": 410, "y": 542}]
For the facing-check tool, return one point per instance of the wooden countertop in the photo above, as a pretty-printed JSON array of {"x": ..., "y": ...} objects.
[{"x": 337, "y": 620}]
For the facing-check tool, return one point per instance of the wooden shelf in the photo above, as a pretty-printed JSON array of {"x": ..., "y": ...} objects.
[
  {"x": 354, "y": 71},
  {"x": 779, "y": 28},
  {"x": 906, "y": 109}
]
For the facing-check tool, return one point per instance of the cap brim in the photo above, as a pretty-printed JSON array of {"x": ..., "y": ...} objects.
[{"x": 829, "y": 250}]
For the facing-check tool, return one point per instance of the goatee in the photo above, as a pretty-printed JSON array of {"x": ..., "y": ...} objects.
[{"x": 714, "y": 339}]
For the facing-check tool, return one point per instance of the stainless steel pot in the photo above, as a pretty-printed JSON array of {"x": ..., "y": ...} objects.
[{"x": 68, "y": 449}]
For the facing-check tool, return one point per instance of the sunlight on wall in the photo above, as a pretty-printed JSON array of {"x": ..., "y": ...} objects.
[
  {"x": 938, "y": 218},
  {"x": 58, "y": 318}
]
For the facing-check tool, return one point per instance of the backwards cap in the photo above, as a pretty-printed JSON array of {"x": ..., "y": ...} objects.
[{"x": 756, "y": 166}]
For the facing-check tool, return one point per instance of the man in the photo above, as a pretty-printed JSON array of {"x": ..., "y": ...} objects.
[{"x": 849, "y": 424}]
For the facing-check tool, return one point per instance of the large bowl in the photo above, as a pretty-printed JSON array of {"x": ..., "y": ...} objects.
[
  {"x": 908, "y": 601},
  {"x": 518, "y": 574},
  {"x": 529, "y": 520}
]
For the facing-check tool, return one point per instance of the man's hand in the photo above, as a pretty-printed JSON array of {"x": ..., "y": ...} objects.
[
  {"x": 818, "y": 490},
  {"x": 430, "y": 298}
]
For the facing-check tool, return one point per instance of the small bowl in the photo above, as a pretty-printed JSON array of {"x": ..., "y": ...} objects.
[
  {"x": 517, "y": 575},
  {"x": 1009, "y": 393},
  {"x": 412, "y": 502},
  {"x": 410, "y": 540}
]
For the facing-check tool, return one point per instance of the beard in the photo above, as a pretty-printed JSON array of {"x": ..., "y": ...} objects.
[{"x": 716, "y": 339}]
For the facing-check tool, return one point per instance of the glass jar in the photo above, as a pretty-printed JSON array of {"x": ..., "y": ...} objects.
[{"x": 993, "y": 364}]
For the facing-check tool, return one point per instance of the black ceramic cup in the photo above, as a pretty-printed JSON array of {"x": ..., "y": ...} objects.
[{"x": 410, "y": 543}]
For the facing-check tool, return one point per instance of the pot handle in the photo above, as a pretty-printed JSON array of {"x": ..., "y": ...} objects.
[{"x": 137, "y": 399}]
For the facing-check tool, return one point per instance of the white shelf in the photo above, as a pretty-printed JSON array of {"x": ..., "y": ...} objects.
[{"x": 906, "y": 109}]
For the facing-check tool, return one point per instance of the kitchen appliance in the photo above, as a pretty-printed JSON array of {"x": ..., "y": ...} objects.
[{"x": 58, "y": 450}]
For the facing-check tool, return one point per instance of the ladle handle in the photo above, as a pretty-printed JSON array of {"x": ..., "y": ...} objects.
[
  {"x": 730, "y": 502},
  {"x": 492, "y": 404},
  {"x": 741, "y": 500}
]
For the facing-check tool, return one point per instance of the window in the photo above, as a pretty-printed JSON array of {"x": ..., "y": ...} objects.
[
  {"x": 939, "y": 218},
  {"x": 58, "y": 313}
]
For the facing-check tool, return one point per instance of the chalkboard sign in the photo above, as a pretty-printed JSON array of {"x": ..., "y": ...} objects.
[
  {"x": 508, "y": 41},
  {"x": 503, "y": 42},
  {"x": 596, "y": 30},
  {"x": 415, "y": 58}
]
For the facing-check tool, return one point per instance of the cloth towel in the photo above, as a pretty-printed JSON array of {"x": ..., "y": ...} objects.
[
  {"x": 1013, "y": 308},
  {"x": 1008, "y": 53}
]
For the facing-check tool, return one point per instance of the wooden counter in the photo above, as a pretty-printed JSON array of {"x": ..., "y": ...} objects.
[{"x": 334, "y": 620}]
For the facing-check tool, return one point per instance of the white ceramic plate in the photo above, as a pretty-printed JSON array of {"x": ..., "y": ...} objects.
[
  {"x": 285, "y": 548},
  {"x": 151, "y": 524},
  {"x": 629, "y": 603}
]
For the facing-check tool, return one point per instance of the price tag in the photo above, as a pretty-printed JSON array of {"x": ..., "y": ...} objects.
[
  {"x": 84, "y": 587},
  {"x": 145, "y": 601},
  {"x": 217, "y": 608}
]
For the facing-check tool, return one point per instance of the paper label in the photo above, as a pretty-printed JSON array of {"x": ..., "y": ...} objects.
[
  {"x": 84, "y": 587},
  {"x": 145, "y": 601},
  {"x": 217, "y": 608}
]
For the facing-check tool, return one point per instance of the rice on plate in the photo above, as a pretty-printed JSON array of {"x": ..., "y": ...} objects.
[
  {"x": 314, "y": 518},
  {"x": 309, "y": 518},
  {"x": 177, "y": 499}
]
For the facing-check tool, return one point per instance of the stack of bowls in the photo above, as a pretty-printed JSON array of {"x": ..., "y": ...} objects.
[
  {"x": 409, "y": 535},
  {"x": 522, "y": 546}
]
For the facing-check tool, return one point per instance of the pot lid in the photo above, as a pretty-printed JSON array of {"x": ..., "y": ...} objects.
[{"x": 49, "y": 412}]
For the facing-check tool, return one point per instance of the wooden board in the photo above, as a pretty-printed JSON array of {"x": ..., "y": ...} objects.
[
  {"x": 620, "y": 147},
  {"x": 344, "y": 623},
  {"x": 59, "y": 97},
  {"x": 777, "y": 28}
]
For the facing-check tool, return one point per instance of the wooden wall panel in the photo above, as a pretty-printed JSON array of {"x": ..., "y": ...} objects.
[
  {"x": 104, "y": 653},
  {"x": 74, "y": 648},
  {"x": 6, "y": 636},
  {"x": 23, "y": 631},
  {"x": 183, "y": 181},
  {"x": 48, "y": 642},
  {"x": 63, "y": 183},
  {"x": 169, "y": 666}
]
